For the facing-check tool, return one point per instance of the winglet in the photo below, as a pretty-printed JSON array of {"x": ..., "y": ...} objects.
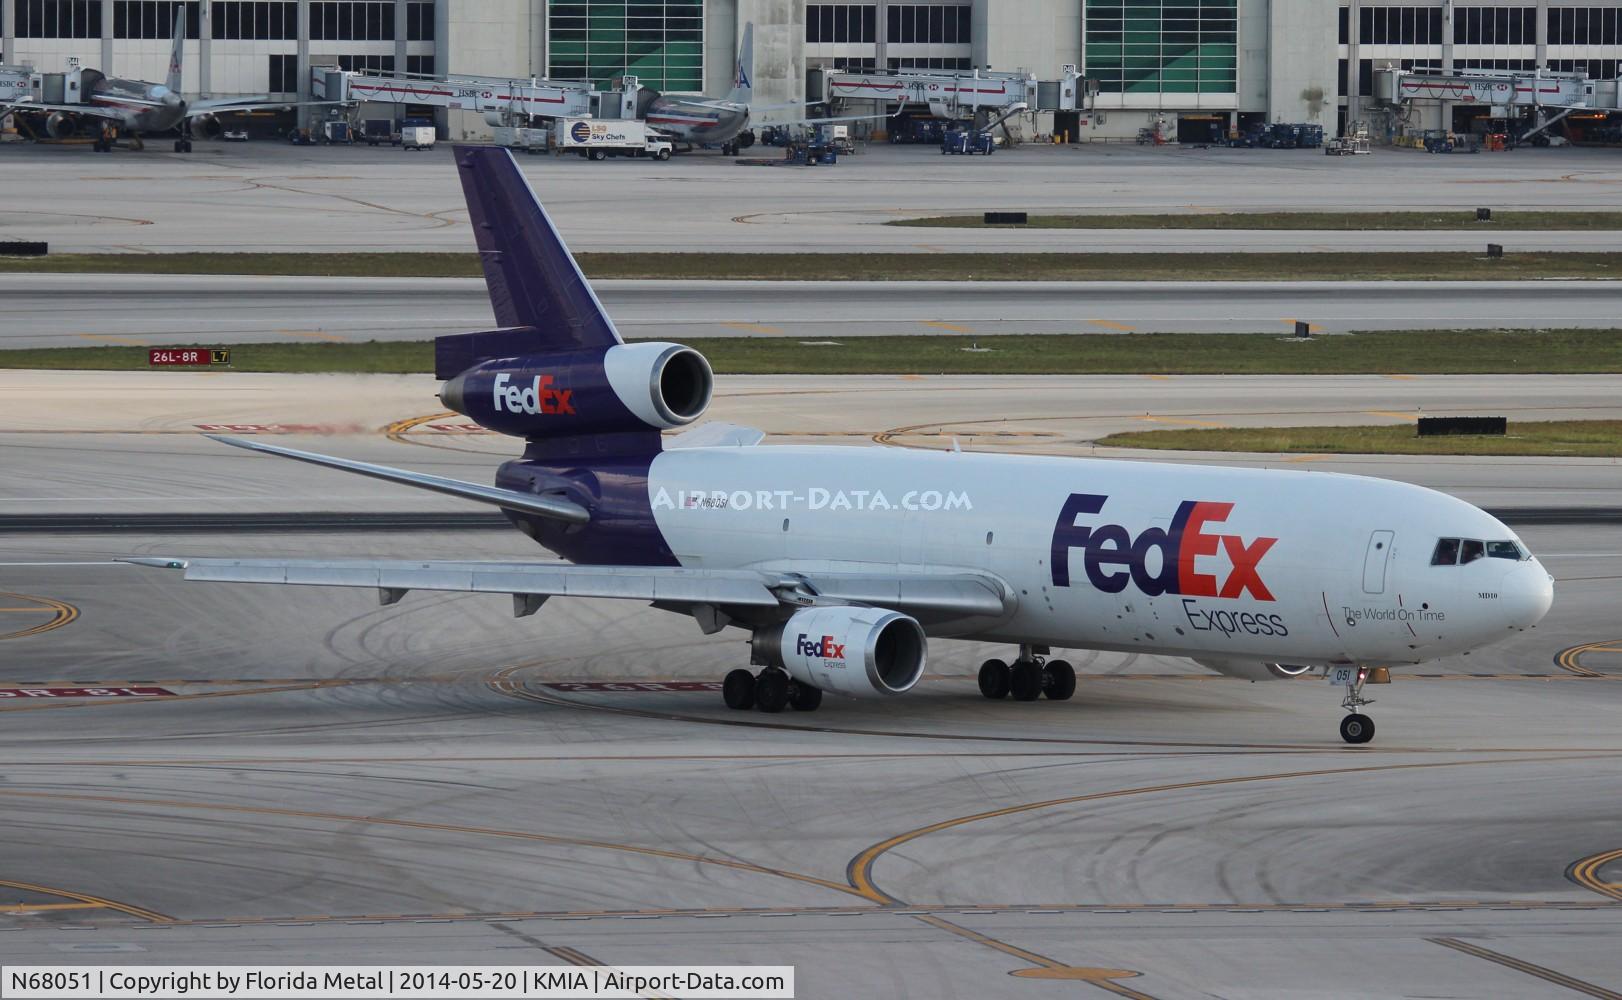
[{"x": 532, "y": 278}]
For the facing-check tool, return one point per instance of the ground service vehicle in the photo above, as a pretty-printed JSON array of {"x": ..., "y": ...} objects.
[{"x": 600, "y": 138}]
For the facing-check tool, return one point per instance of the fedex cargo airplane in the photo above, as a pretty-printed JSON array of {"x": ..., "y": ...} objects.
[{"x": 842, "y": 563}]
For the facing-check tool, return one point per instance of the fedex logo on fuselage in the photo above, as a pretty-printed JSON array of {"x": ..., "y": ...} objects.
[
  {"x": 824, "y": 648},
  {"x": 537, "y": 397},
  {"x": 1112, "y": 558}
]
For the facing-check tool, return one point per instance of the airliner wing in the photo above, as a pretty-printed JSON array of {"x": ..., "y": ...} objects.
[
  {"x": 925, "y": 596},
  {"x": 529, "y": 503},
  {"x": 88, "y": 110},
  {"x": 226, "y": 105}
]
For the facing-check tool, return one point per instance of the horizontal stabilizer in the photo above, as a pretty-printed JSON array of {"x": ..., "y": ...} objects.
[{"x": 553, "y": 507}]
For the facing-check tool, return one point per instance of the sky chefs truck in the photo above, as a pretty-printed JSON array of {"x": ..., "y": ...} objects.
[{"x": 601, "y": 138}]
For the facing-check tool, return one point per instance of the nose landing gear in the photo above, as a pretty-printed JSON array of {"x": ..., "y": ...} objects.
[{"x": 1356, "y": 728}]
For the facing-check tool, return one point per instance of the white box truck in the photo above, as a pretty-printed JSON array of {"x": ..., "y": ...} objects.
[{"x": 600, "y": 138}]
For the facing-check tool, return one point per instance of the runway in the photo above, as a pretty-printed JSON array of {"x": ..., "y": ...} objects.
[
  {"x": 269, "y": 196},
  {"x": 70, "y": 310},
  {"x": 287, "y": 774}
]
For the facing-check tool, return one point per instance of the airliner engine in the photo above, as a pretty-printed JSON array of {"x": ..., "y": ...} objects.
[
  {"x": 1254, "y": 670},
  {"x": 858, "y": 652}
]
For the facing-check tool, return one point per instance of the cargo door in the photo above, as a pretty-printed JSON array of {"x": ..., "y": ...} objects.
[{"x": 1375, "y": 561}]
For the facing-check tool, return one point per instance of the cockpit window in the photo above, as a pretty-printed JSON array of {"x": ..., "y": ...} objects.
[{"x": 1458, "y": 551}]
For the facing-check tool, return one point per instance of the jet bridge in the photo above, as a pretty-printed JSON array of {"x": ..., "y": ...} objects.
[
  {"x": 1534, "y": 101},
  {"x": 500, "y": 99},
  {"x": 961, "y": 95}
]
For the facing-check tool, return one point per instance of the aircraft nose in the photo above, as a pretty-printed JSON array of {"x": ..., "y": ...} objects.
[{"x": 1527, "y": 594}]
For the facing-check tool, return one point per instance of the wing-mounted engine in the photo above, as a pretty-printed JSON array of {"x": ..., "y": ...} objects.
[
  {"x": 205, "y": 126},
  {"x": 61, "y": 125},
  {"x": 858, "y": 652},
  {"x": 1254, "y": 670},
  {"x": 628, "y": 387},
  {"x": 645, "y": 96}
]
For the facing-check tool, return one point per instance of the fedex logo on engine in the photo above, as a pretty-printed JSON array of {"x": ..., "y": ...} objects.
[
  {"x": 1112, "y": 558},
  {"x": 537, "y": 397},
  {"x": 823, "y": 649}
]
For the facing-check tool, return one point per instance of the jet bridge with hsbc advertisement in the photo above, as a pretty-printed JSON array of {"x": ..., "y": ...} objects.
[{"x": 1528, "y": 103}]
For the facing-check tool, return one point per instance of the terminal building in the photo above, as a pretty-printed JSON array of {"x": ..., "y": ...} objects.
[{"x": 1196, "y": 67}]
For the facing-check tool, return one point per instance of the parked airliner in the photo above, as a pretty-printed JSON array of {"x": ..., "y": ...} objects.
[
  {"x": 843, "y": 562},
  {"x": 136, "y": 107}
]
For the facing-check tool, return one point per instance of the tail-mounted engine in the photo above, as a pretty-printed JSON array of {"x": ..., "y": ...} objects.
[
  {"x": 859, "y": 652},
  {"x": 628, "y": 387}
]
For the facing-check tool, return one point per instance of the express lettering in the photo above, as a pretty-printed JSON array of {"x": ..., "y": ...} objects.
[
  {"x": 1232, "y": 622},
  {"x": 537, "y": 397},
  {"x": 1112, "y": 558},
  {"x": 824, "y": 648}
]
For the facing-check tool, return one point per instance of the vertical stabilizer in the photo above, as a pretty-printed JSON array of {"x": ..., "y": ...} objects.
[
  {"x": 532, "y": 278},
  {"x": 172, "y": 81},
  {"x": 743, "y": 87}
]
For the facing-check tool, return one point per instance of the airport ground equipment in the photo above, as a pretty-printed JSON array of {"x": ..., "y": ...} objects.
[
  {"x": 528, "y": 140},
  {"x": 417, "y": 137},
  {"x": 379, "y": 131},
  {"x": 600, "y": 138}
]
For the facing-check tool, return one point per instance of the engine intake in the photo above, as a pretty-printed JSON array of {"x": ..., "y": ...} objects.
[
  {"x": 1254, "y": 670},
  {"x": 858, "y": 652}
]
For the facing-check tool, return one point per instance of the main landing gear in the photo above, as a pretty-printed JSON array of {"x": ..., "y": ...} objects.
[
  {"x": 1356, "y": 727},
  {"x": 771, "y": 691},
  {"x": 1029, "y": 678}
]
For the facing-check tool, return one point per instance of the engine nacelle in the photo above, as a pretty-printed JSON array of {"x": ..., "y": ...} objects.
[
  {"x": 59, "y": 125},
  {"x": 625, "y": 388},
  {"x": 858, "y": 652},
  {"x": 206, "y": 126},
  {"x": 1254, "y": 670}
]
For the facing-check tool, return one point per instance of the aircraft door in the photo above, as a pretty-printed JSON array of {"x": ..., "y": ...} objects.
[{"x": 1375, "y": 561}]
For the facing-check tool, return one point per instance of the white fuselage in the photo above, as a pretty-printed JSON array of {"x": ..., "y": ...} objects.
[{"x": 1303, "y": 568}]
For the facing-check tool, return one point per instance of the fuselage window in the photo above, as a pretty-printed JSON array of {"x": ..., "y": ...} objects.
[
  {"x": 1470, "y": 550},
  {"x": 1503, "y": 550},
  {"x": 1447, "y": 552}
]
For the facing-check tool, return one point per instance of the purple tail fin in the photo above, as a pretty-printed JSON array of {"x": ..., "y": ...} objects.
[{"x": 533, "y": 280}]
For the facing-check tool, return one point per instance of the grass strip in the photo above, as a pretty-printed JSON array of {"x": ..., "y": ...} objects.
[
  {"x": 1455, "y": 219},
  {"x": 1384, "y": 352},
  {"x": 1396, "y": 266},
  {"x": 1572, "y": 438}
]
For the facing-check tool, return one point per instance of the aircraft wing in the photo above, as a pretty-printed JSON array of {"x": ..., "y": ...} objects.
[
  {"x": 226, "y": 105},
  {"x": 925, "y": 596},
  {"x": 529, "y": 503},
  {"x": 88, "y": 110}
]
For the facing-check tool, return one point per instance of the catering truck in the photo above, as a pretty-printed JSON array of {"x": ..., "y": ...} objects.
[{"x": 600, "y": 138}]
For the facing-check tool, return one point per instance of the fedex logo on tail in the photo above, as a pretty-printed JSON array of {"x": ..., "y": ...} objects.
[
  {"x": 1112, "y": 558},
  {"x": 824, "y": 648},
  {"x": 537, "y": 397}
]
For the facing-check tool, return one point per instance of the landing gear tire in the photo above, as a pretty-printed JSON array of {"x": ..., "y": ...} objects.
[
  {"x": 994, "y": 679},
  {"x": 188, "y": 147},
  {"x": 1058, "y": 680},
  {"x": 738, "y": 690},
  {"x": 180, "y": 147},
  {"x": 1357, "y": 728},
  {"x": 804, "y": 697},
  {"x": 772, "y": 691},
  {"x": 1025, "y": 680},
  {"x": 136, "y": 144}
]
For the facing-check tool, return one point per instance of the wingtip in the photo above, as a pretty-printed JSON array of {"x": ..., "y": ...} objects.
[{"x": 156, "y": 562}]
